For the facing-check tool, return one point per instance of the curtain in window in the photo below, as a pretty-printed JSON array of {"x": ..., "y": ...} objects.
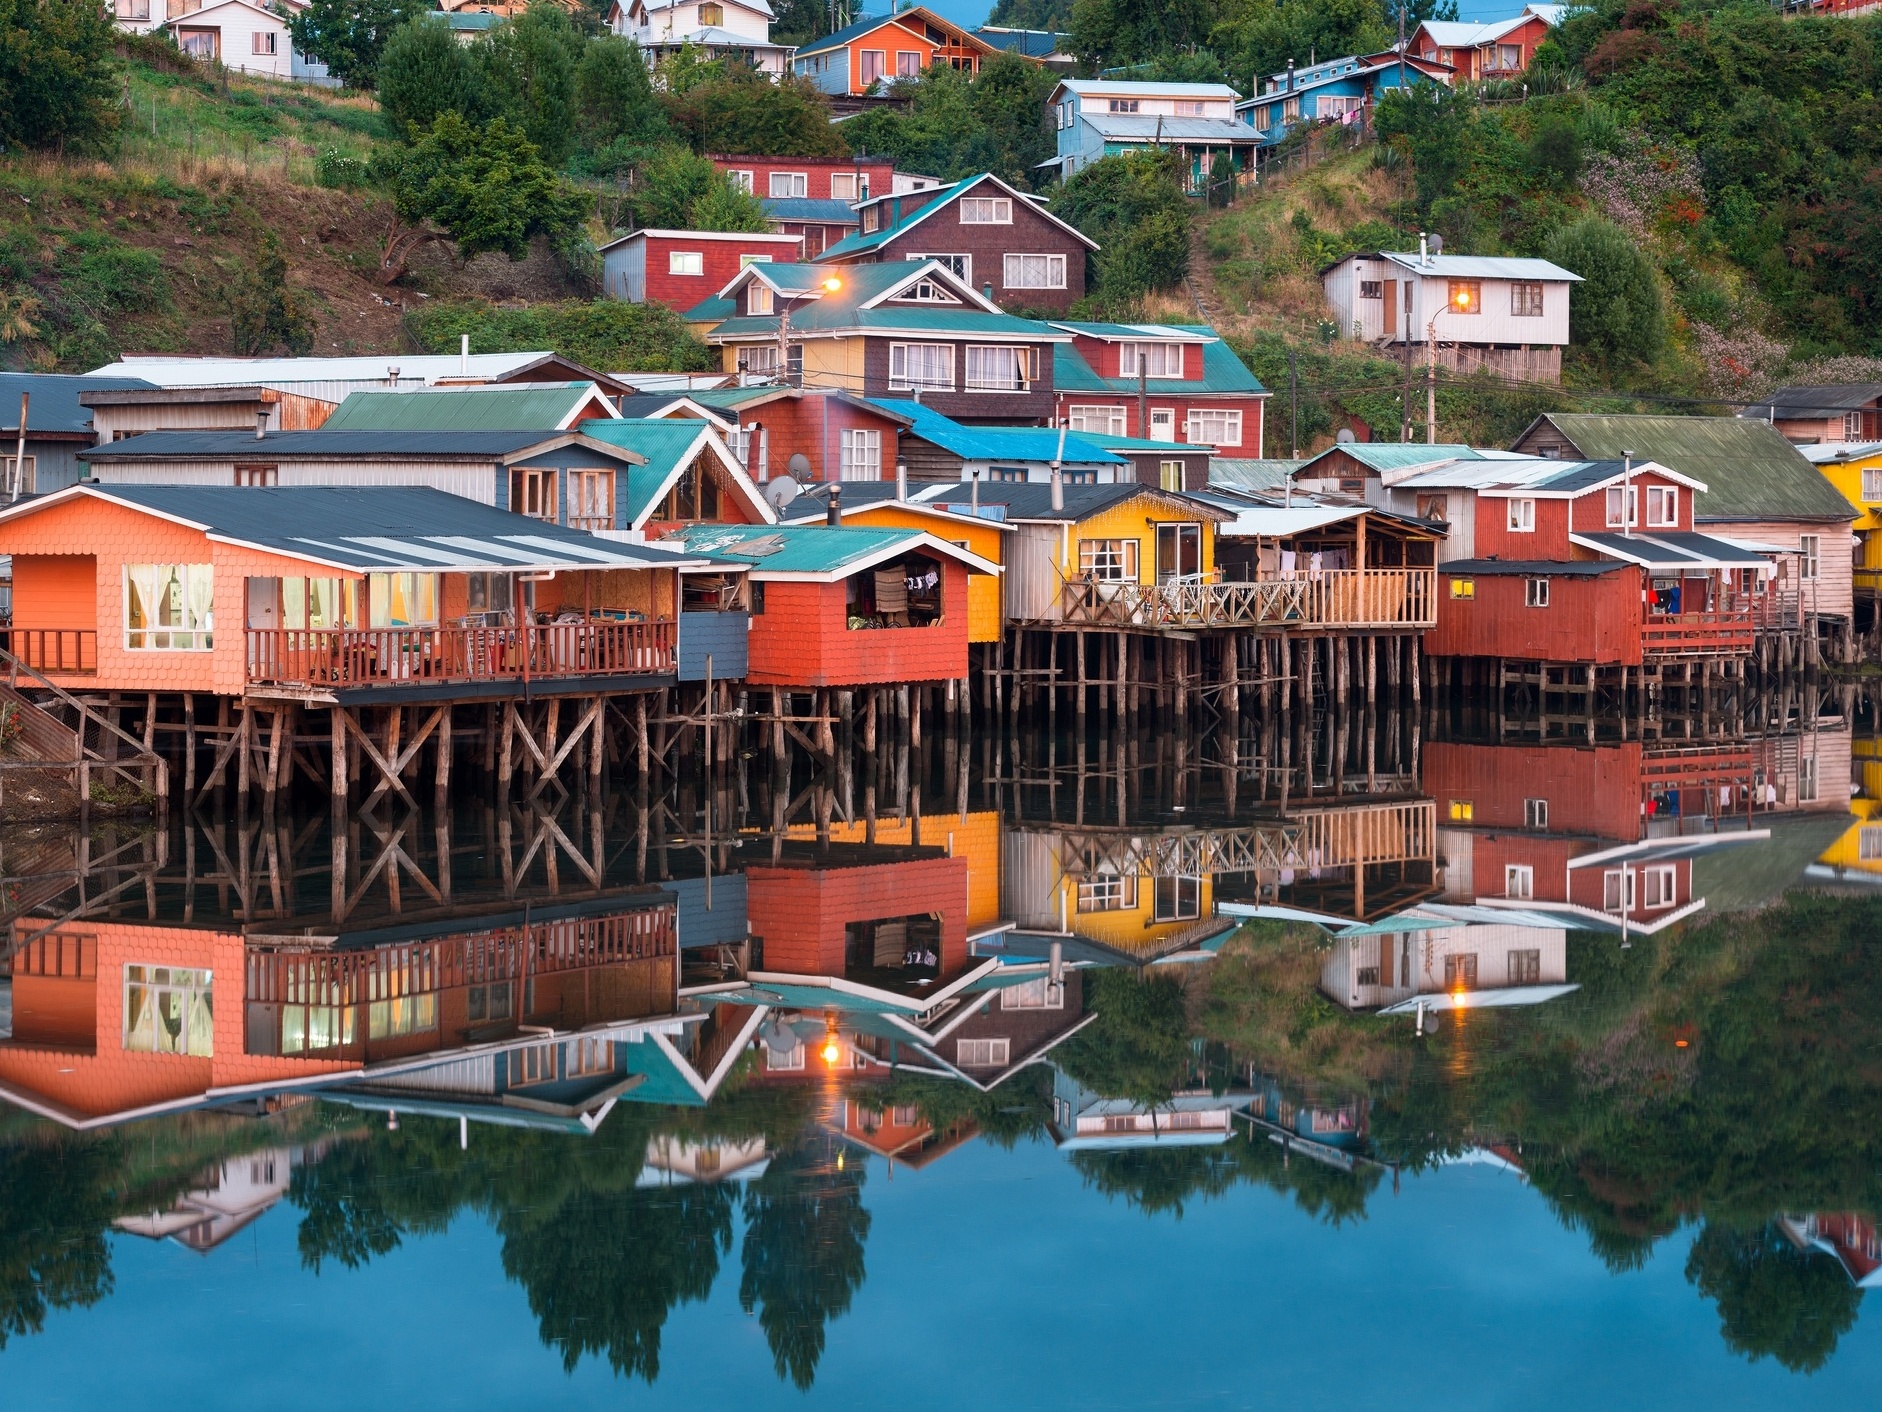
[
  {"x": 169, "y": 606},
  {"x": 995, "y": 369}
]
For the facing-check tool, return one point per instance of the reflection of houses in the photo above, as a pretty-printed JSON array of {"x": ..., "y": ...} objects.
[
  {"x": 1466, "y": 957},
  {"x": 226, "y": 1199},
  {"x": 1328, "y": 1132},
  {"x": 686, "y": 1161},
  {"x": 1131, "y": 898},
  {"x": 1083, "y": 1120},
  {"x": 896, "y": 1131},
  {"x": 1357, "y": 861},
  {"x": 1848, "y": 1236}
]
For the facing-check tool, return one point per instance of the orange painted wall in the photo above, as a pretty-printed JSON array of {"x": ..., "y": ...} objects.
[
  {"x": 803, "y": 639},
  {"x": 55, "y": 591},
  {"x": 805, "y": 910}
]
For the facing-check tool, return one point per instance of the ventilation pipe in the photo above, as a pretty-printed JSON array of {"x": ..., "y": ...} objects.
[
  {"x": 16, "y": 483},
  {"x": 261, "y": 423},
  {"x": 1058, "y": 471},
  {"x": 901, "y": 479},
  {"x": 1627, "y": 494},
  {"x": 1424, "y": 249},
  {"x": 833, "y": 512},
  {"x": 463, "y": 355},
  {"x": 1290, "y": 75}
]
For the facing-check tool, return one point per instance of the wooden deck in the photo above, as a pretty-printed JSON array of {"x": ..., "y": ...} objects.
[
  {"x": 1729, "y": 634},
  {"x": 384, "y": 656},
  {"x": 1392, "y": 599}
]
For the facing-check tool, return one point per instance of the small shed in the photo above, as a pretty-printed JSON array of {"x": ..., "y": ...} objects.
[{"x": 682, "y": 267}]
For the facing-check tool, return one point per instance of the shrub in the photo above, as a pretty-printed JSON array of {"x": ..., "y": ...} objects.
[
  {"x": 56, "y": 81},
  {"x": 341, "y": 171},
  {"x": 1616, "y": 312}
]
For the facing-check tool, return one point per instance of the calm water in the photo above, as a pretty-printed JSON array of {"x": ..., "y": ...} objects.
[{"x": 1381, "y": 1063}]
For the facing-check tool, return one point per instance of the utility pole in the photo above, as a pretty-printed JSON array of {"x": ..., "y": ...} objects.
[
  {"x": 1143, "y": 395},
  {"x": 1431, "y": 385},
  {"x": 1404, "y": 401},
  {"x": 1293, "y": 398}
]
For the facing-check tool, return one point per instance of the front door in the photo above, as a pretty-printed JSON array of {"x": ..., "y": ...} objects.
[
  {"x": 1391, "y": 308},
  {"x": 1179, "y": 552},
  {"x": 1163, "y": 424}
]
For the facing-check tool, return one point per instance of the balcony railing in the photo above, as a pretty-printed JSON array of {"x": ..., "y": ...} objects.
[
  {"x": 1728, "y": 634},
  {"x": 1361, "y": 598},
  {"x": 385, "y": 656},
  {"x": 73, "y": 651}
]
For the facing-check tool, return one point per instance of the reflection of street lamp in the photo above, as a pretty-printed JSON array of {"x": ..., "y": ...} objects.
[
  {"x": 1460, "y": 303},
  {"x": 828, "y": 286}
]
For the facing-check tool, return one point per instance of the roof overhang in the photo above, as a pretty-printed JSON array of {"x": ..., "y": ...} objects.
[
  {"x": 1655, "y": 554},
  {"x": 1480, "y": 999},
  {"x": 708, "y": 439}
]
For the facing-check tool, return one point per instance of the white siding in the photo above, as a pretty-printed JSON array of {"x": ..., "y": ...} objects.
[
  {"x": 1432, "y": 294},
  {"x": 1032, "y": 574}
]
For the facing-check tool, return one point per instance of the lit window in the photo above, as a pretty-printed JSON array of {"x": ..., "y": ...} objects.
[
  {"x": 1462, "y": 811},
  {"x": 169, "y": 1010},
  {"x": 1466, "y": 296},
  {"x": 986, "y": 210},
  {"x": 1035, "y": 272},
  {"x": 401, "y": 600},
  {"x": 788, "y": 184},
  {"x": 686, "y": 262},
  {"x": 169, "y": 607},
  {"x": 1535, "y": 593},
  {"x": 1463, "y": 588},
  {"x": 1108, "y": 560},
  {"x": 1460, "y": 972},
  {"x": 1522, "y": 516}
]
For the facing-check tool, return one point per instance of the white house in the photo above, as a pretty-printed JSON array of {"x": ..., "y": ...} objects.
[
  {"x": 722, "y": 29},
  {"x": 246, "y": 35},
  {"x": 1508, "y": 315}
]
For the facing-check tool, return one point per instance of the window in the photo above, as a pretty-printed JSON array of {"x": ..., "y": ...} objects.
[
  {"x": 1460, "y": 971},
  {"x": 1852, "y": 426},
  {"x": 741, "y": 181},
  {"x": 1466, "y": 296},
  {"x": 401, "y": 600},
  {"x": 1157, "y": 360},
  {"x": 1463, "y": 588},
  {"x": 169, "y": 1010},
  {"x": 1535, "y": 593},
  {"x": 685, "y": 262},
  {"x": 1659, "y": 885},
  {"x": 1214, "y": 426},
  {"x": 264, "y": 42},
  {"x": 1009, "y": 475},
  {"x": 1869, "y": 843},
  {"x": 1179, "y": 899},
  {"x": 1632, "y": 499},
  {"x": 1871, "y": 482},
  {"x": 928, "y": 291},
  {"x": 133, "y": 9},
  {"x": 1663, "y": 506},
  {"x": 1435, "y": 507},
  {"x": 1188, "y": 108},
  {"x": 199, "y": 43},
  {"x": 861, "y": 454},
  {"x": 488, "y": 1002},
  {"x": 1525, "y": 300},
  {"x": 169, "y": 607},
  {"x": 1807, "y": 779},
  {"x": 1462, "y": 811},
  {"x": 1290, "y": 110},
  {"x": 1107, "y": 892},
  {"x": 1122, "y": 105},
  {"x": 788, "y": 184},
  {"x": 712, "y": 13},
  {"x": 1106, "y": 421},
  {"x": 758, "y": 298},
  {"x": 745, "y": 262},
  {"x": 8, "y": 464},
  {"x": 759, "y": 359},
  {"x": 400, "y": 1015},
  {"x": 1525, "y": 968},
  {"x": 1519, "y": 880},
  {"x": 1371, "y": 289},
  {"x": 1617, "y": 890},
  {"x": 532, "y": 493},
  {"x": 986, "y": 210},
  {"x": 534, "y": 1065},
  {"x": 591, "y": 500},
  {"x": 1179, "y": 553},
  {"x": 1037, "y": 994},
  {"x": 1535, "y": 813},
  {"x": 1810, "y": 555},
  {"x": 256, "y": 475},
  {"x": 925, "y": 365},
  {"x": 1522, "y": 516},
  {"x": 999, "y": 369},
  {"x": 1108, "y": 560},
  {"x": 334, "y": 603},
  {"x": 1035, "y": 272},
  {"x": 962, "y": 265},
  {"x": 908, "y": 63},
  {"x": 874, "y": 62},
  {"x": 981, "y": 1053},
  {"x": 842, "y": 186},
  {"x": 1170, "y": 475},
  {"x": 870, "y": 217}
]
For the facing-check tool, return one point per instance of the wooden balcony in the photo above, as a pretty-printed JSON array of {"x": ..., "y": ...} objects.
[
  {"x": 352, "y": 657},
  {"x": 1728, "y": 634},
  {"x": 1401, "y": 599},
  {"x": 72, "y": 651}
]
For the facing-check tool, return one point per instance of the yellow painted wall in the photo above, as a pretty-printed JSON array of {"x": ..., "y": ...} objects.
[
  {"x": 1131, "y": 929},
  {"x": 1846, "y": 852},
  {"x": 1137, "y": 519},
  {"x": 1847, "y": 478},
  {"x": 985, "y": 619}
]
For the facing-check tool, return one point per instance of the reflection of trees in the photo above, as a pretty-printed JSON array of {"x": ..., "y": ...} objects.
[
  {"x": 1139, "y": 1046},
  {"x": 1160, "y": 1179},
  {"x": 56, "y": 1201},
  {"x": 1019, "y": 1108},
  {"x": 1774, "y": 1300},
  {"x": 805, "y": 1227}
]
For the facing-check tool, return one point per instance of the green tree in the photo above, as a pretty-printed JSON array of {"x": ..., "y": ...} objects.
[
  {"x": 1110, "y": 33},
  {"x": 1774, "y": 1300},
  {"x": 1032, "y": 14},
  {"x": 1134, "y": 207},
  {"x": 55, "y": 1206},
  {"x": 57, "y": 80},
  {"x": 679, "y": 191},
  {"x": 528, "y": 69},
  {"x": 742, "y": 111},
  {"x": 348, "y": 36},
  {"x": 423, "y": 73},
  {"x": 614, "y": 95},
  {"x": 1616, "y": 312},
  {"x": 1138, "y": 1048},
  {"x": 487, "y": 188},
  {"x": 598, "y": 333},
  {"x": 265, "y": 312}
]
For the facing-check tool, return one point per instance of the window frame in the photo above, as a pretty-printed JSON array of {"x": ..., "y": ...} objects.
[
  {"x": 1054, "y": 267},
  {"x": 1666, "y": 497},
  {"x": 1116, "y": 418},
  {"x": 1526, "y": 300},
  {"x": 1660, "y": 878},
  {"x": 1536, "y": 814},
  {"x": 588, "y": 486},
  {"x": 1809, "y": 557},
  {"x": 903, "y": 383},
  {"x": 1475, "y": 287},
  {"x": 1871, "y": 483},
  {"x": 903, "y": 69},
  {"x": 760, "y": 300},
  {"x": 792, "y": 181},
  {"x": 1464, "y": 589},
  {"x": 1519, "y": 881},
  {"x": 1521, "y": 515},
  {"x": 863, "y": 56},
  {"x": 1132, "y": 355},
  {"x": 270, "y": 38},
  {"x": 1096, "y": 556},
  {"x": 855, "y": 181},
  {"x": 193, "y": 984},
  {"x": 534, "y": 478},
  {"x": 1536, "y": 592},
  {"x": 1170, "y": 475},
  {"x": 677, "y": 258},
  {"x": 859, "y": 451},
  {"x": 256, "y": 474},
  {"x": 999, "y": 209},
  {"x": 1021, "y": 368},
  {"x": 741, "y": 178},
  {"x": 998, "y": 1050},
  {"x": 1197, "y": 417},
  {"x": 201, "y": 639},
  {"x": 963, "y": 270},
  {"x": 1613, "y": 500}
]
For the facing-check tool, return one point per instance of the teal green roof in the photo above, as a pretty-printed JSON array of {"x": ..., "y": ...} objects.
[
  {"x": 840, "y": 310},
  {"x": 666, "y": 442},
  {"x": 1246, "y": 474},
  {"x": 660, "y": 1081},
  {"x": 791, "y": 549},
  {"x": 517, "y": 407},
  {"x": 710, "y": 311},
  {"x": 973, "y": 443},
  {"x": 1222, "y": 371},
  {"x": 731, "y": 396},
  {"x": 1397, "y": 455}
]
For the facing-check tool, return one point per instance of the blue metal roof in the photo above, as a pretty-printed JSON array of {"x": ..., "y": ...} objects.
[
  {"x": 54, "y": 406},
  {"x": 807, "y": 208},
  {"x": 996, "y": 443}
]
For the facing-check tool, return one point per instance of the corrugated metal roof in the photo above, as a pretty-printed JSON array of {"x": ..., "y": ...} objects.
[
  {"x": 1222, "y": 371},
  {"x": 1750, "y": 471},
  {"x": 1396, "y": 455},
  {"x": 539, "y": 406},
  {"x": 376, "y": 527},
  {"x": 1252, "y": 474},
  {"x": 1029, "y": 500},
  {"x": 793, "y": 549},
  {"x": 1545, "y": 568},
  {"x": 836, "y": 39},
  {"x": 1825, "y": 400},
  {"x": 641, "y": 405},
  {"x": 165, "y": 371},
  {"x": 1136, "y": 126},
  {"x": 1833, "y": 452},
  {"x": 1120, "y": 88},
  {"x": 54, "y": 406},
  {"x": 813, "y": 503},
  {"x": 320, "y": 445},
  {"x": 1466, "y": 266},
  {"x": 1277, "y": 522},
  {"x": 1035, "y": 444},
  {"x": 807, "y": 208},
  {"x": 668, "y": 444},
  {"x": 817, "y": 317},
  {"x": 1672, "y": 550},
  {"x": 1136, "y": 333}
]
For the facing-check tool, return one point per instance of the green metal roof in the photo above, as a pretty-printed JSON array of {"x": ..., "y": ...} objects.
[
  {"x": 518, "y": 407},
  {"x": 1750, "y": 471},
  {"x": 1397, "y": 455},
  {"x": 915, "y": 204},
  {"x": 667, "y": 443},
  {"x": 790, "y": 549},
  {"x": 710, "y": 310},
  {"x": 1248, "y": 474},
  {"x": 1222, "y": 371}
]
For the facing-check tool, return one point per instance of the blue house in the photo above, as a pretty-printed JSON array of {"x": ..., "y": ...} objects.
[
  {"x": 1102, "y": 118},
  {"x": 1340, "y": 90},
  {"x": 58, "y": 426}
]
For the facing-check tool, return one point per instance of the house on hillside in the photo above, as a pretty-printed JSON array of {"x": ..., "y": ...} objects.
[
  {"x": 1002, "y": 241},
  {"x": 1161, "y": 382},
  {"x": 1503, "y": 314},
  {"x": 58, "y": 426},
  {"x": 1339, "y": 91},
  {"x": 1052, "y": 48},
  {"x": 1105, "y": 117},
  {"x": 808, "y": 433},
  {"x": 1854, "y": 468},
  {"x": 330, "y": 379},
  {"x": 243, "y": 35},
  {"x": 739, "y": 30},
  {"x": 1759, "y": 491},
  {"x": 1823, "y": 415},
  {"x": 1483, "y": 53},
  {"x": 887, "y": 330},
  {"x": 813, "y": 198},
  {"x": 875, "y": 51},
  {"x": 681, "y": 267}
]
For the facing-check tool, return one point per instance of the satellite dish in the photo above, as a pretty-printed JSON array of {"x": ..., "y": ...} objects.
[
  {"x": 1437, "y": 243},
  {"x": 781, "y": 492},
  {"x": 800, "y": 465},
  {"x": 1345, "y": 436}
]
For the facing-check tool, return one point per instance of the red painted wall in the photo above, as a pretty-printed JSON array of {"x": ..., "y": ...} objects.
[
  {"x": 1590, "y": 790},
  {"x": 805, "y": 910},
  {"x": 803, "y": 639},
  {"x": 816, "y": 170},
  {"x": 1589, "y": 619},
  {"x": 1591, "y": 511},
  {"x": 721, "y": 262},
  {"x": 1549, "y": 540},
  {"x": 813, "y": 426}
]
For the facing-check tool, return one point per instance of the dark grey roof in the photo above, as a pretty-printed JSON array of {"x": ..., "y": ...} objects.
[
  {"x": 1584, "y": 475},
  {"x": 316, "y": 445},
  {"x": 379, "y": 527},
  {"x": 1026, "y": 500},
  {"x": 54, "y": 406},
  {"x": 1825, "y": 400},
  {"x": 651, "y": 404},
  {"x": 815, "y": 499},
  {"x": 1534, "y": 568}
]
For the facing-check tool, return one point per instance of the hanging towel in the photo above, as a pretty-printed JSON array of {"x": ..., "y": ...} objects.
[{"x": 891, "y": 591}]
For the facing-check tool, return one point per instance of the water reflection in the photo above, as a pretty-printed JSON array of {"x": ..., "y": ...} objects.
[{"x": 669, "y": 1042}]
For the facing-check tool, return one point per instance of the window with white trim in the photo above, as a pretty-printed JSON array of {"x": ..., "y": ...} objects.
[
  {"x": 758, "y": 298},
  {"x": 962, "y": 265},
  {"x": 861, "y": 454},
  {"x": 982, "y": 1053},
  {"x": 1659, "y": 885},
  {"x": 1035, "y": 272},
  {"x": 1170, "y": 475},
  {"x": 1108, "y": 560},
  {"x": 997, "y": 368},
  {"x": 1107, "y": 892},
  {"x": 873, "y": 64},
  {"x": 1632, "y": 495},
  {"x": 1105, "y": 421},
  {"x": 1617, "y": 890},
  {"x": 169, "y": 1010},
  {"x": 1806, "y": 779},
  {"x": 843, "y": 186},
  {"x": 1535, "y": 593},
  {"x": 1522, "y": 516},
  {"x": 1519, "y": 880},
  {"x": 745, "y": 262},
  {"x": 1036, "y": 994},
  {"x": 759, "y": 359},
  {"x": 169, "y": 607},
  {"x": 1158, "y": 360},
  {"x": 1179, "y": 899},
  {"x": 1122, "y": 105},
  {"x": 1214, "y": 426},
  {"x": 265, "y": 41},
  {"x": 923, "y": 365},
  {"x": 1663, "y": 506},
  {"x": 1852, "y": 426},
  {"x": 786, "y": 185},
  {"x": 686, "y": 262},
  {"x": 1189, "y": 108},
  {"x": 1535, "y": 813},
  {"x": 986, "y": 210},
  {"x": 1810, "y": 556},
  {"x": 928, "y": 291},
  {"x": 741, "y": 181},
  {"x": 1869, "y": 843},
  {"x": 1871, "y": 483}
]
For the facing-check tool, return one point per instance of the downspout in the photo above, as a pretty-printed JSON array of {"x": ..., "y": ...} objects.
[{"x": 16, "y": 483}]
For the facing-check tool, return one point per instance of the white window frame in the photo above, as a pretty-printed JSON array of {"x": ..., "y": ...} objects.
[
  {"x": 1663, "y": 507},
  {"x": 758, "y": 298},
  {"x": 192, "y": 985},
  {"x": 1196, "y": 424},
  {"x": 999, "y": 380},
  {"x": 986, "y": 210},
  {"x": 1522, "y": 516},
  {"x": 901, "y": 381},
  {"x": 860, "y": 453},
  {"x": 199, "y": 639},
  {"x": 1110, "y": 560},
  {"x": 1123, "y": 105},
  {"x": 957, "y": 264},
  {"x": 264, "y": 43},
  {"x": 1617, "y": 890},
  {"x": 984, "y": 1053},
  {"x": 1809, "y": 556},
  {"x": 1170, "y": 475},
  {"x": 796, "y": 186},
  {"x": 855, "y": 182},
  {"x": 745, "y": 262},
  {"x": 741, "y": 180},
  {"x": 26, "y": 480},
  {"x": 1869, "y": 843},
  {"x": 677, "y": 260},
  {"x": 1535, "y": 813},
  {"x": 1871, "y": 483},
  {"x": 1185, "y": 900},
  {"x": 1104, "y": 421},
  {"x": 1659, "y": 887},
  {"x": 1155, "y": 358},
  {"x": 1613, "y": 498},
  {"x": 1852, "y": 426},
  {"x": 1049, "y": 268},
  {"x": 881, "y": 56},
  {"x": 1806, "y": 779},
  {"x": 1536, "y": 593},
  {"x": 904, "y": 69},
  {"x": 1519, "y": 881},
  {"x": 1036, "y": 994}
]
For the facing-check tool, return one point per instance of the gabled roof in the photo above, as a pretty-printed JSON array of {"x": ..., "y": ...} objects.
[
  {"x": 762, "y": 237},
  {"x": 1023, "y": 501},
  {"x": 361, "y": 529},
  {"x": 858, "y": 497},
  {"x": 55, "y": 407},
  {"x": 1139, "y": 333},
  {"x": 868, "y": 24},
  {"x": 731, "y": 401},
  {"x": 1824, "y": 400},
  {"x": 975, "y": 443},
  {"x": 1538, "y": 477},
  {"x": 668, "y": 446},
  {"x": 1117, "y": 88},
  {"x": 642, "y": 405},
  {"x": 815, "y": 553},
  {"x": 1464, "y": 34},
  {"x": 1832, "y": 453},
  {"x": 934, "y": 201},
  {"x": 1222, "y": 371},
  {"x": 863, "y": 303},
  {"x": 539, "y": 406},
  {"x": 181, "y": 370},
  {"x": 1750, "y": 471},
  {"x": 493, "y": 446},
  {"x": 1249, "y": 474},
  {"x": 1033, "y": 43},
  {"x": 1158, "y": 127},
  {"x": 1387, "y": 456},
  {"x": 1463, "y": 266}
]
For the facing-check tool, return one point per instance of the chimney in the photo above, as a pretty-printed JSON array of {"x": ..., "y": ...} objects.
[
  {"x": 1058, "y": 472},
  {"x": 833, "y": 512},
  {"x": 973, "y": 495},
  {"x": 1627, "y": 494},
  {"x": 901, "y": 479},
  {"x": 987, "y": 291},
  {"x": 1424, "y": 248},
  {"x": 463, "y": 355},
  {"x": 392, "y": 375},
  {"x": 261, "y": 423},
  {"x": 1290, "y": 75}
]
